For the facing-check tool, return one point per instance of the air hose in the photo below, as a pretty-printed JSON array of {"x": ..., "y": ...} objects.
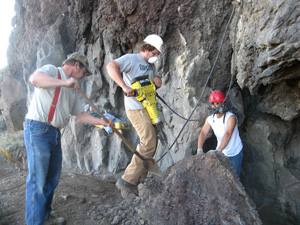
[{"x": 205, "y": 85}]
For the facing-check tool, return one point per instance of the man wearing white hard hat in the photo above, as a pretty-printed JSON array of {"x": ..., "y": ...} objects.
[{"x": 132, "y": 66}]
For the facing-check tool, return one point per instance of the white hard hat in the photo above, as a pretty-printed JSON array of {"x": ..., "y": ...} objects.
[{"x": 155, "y": 41}]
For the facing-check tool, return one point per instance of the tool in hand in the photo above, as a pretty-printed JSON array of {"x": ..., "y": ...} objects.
[
  {"x": 150, "y": 164},
  {"x": 145, "y": 92}
]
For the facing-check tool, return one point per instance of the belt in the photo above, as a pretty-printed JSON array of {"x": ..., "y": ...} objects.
[{"x": 30, "y": 121}]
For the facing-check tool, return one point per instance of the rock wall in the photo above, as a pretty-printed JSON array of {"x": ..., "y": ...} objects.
[
  {"x": 260, "y": 54},
  {"x": 267, "y": 66}
]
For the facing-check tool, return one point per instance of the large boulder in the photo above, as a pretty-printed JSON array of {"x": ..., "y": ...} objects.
[{"x": 201, "y": 189}]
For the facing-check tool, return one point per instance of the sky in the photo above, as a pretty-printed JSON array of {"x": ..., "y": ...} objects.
[{"x": 6, "y": 14}]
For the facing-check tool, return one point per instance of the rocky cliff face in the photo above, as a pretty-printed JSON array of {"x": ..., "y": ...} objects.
[{"x": 258, "y": 66}]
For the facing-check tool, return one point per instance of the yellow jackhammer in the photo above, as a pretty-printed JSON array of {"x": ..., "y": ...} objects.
[
  {"x": 145, "y": 92},
  {"x": 149, "y": 163}
]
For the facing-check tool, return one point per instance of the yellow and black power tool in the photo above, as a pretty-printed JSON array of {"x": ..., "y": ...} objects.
[{"x": 145, "y": 92}]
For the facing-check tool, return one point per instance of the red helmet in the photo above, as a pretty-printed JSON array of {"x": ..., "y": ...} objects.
[{"x": 216, "y": 96}]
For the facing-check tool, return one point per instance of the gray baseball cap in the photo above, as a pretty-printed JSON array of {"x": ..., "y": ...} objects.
[{"x": 80, "y": 58}]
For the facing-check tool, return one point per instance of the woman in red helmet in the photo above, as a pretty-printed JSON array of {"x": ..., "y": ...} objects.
[{"x": 224, "y": 125}]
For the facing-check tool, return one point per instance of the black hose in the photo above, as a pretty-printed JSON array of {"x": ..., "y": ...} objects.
[{"x": 205, "y": 85}]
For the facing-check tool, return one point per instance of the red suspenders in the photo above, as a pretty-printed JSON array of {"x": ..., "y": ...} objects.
[{"x": 54, "y": 102}]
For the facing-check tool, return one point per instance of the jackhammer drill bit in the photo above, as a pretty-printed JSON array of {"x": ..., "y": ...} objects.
[{"x": 163, "y": 140}]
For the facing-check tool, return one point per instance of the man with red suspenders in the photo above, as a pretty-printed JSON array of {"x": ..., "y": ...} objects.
[{"x": 55, "y": 98}]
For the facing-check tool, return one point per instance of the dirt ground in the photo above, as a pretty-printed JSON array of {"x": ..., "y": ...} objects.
[{"x": 80, "y": 199}]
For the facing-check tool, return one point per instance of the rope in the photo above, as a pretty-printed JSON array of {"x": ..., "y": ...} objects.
[
  {"x": 63, "y": 172},
  {"x": 231, "y": 79},
  {"x": 233, "y": 54},
  {"x": 89, "y": 177},
  {"x": 205, "y": 85},
  {"x": 18, "y": 185},
  {"x": 7, "y": 154}
]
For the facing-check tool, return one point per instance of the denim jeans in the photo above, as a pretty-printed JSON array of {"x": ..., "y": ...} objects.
[
  {"x": 44, "y": 158},
  {"x": 236, "y": 162}
]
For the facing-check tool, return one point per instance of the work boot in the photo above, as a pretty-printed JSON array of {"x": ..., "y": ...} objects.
[
  {"x": 128, "y": 191},
  {"x": 55, "y": 221}
]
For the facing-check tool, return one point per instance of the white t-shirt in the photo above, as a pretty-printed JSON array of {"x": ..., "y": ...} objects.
[
  {"x": 69, "y": 103},
  {"x": 219, "y": 126},
  {"x": 132, "y": 66}
]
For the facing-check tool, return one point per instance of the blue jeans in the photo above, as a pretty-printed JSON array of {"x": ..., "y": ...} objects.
[
  {"x": 44, "y": 158},
  {"x": 236, "y": 162}
]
